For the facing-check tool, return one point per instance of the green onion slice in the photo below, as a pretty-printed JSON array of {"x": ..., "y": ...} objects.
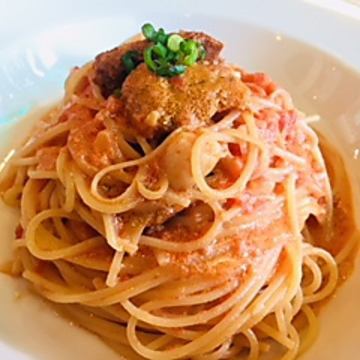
[
  {"x": 148, "y": 31},
  {"x": 160, "y": 50},
  {"x": 170, "y": 55},
  {"x": 174, "y": 42},
  {"x": 131, "y": 60},
  {"x": 148, "y": 59}
]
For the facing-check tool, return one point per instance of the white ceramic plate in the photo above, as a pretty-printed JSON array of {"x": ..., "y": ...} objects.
[{"x": 40, "y": 41}]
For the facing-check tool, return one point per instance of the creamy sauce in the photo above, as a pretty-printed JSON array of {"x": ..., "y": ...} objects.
[{"x": 345, "y": 237}]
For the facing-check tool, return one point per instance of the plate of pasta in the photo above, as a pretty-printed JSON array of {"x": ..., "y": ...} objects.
[{"x": 180, "y": 185}]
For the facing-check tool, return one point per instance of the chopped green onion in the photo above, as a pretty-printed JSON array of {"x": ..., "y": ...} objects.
[
  {"x": 174, "y": 42},
  {"x": 129, "y": 64},
  {"x": 170, "y": 55},
  {"x": 177, "y": 70},
  {"x": 171, "y": 70},
  {"x": 191, "y": 58},
  {"x": 160, "y": 50},
  {"x": 131, "y": 60},
  {"x": 148, "y": 31},
  {"x": 161, "y": 37},
  {"x": 148, "y": 59},
  {"x": 188, "y": 46},
  {"x": 163, "y": 71}
]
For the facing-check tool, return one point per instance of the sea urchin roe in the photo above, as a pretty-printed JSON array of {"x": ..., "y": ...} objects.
[
  {"x": 110, "y": 68},
  {"x": 192, "y": 101}
]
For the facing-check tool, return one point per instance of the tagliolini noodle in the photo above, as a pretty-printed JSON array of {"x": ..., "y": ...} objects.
[{"x": 212, "y": 243}]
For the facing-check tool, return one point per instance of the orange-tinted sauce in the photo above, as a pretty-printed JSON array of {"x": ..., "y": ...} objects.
[{"x": 344, "y": 231}]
